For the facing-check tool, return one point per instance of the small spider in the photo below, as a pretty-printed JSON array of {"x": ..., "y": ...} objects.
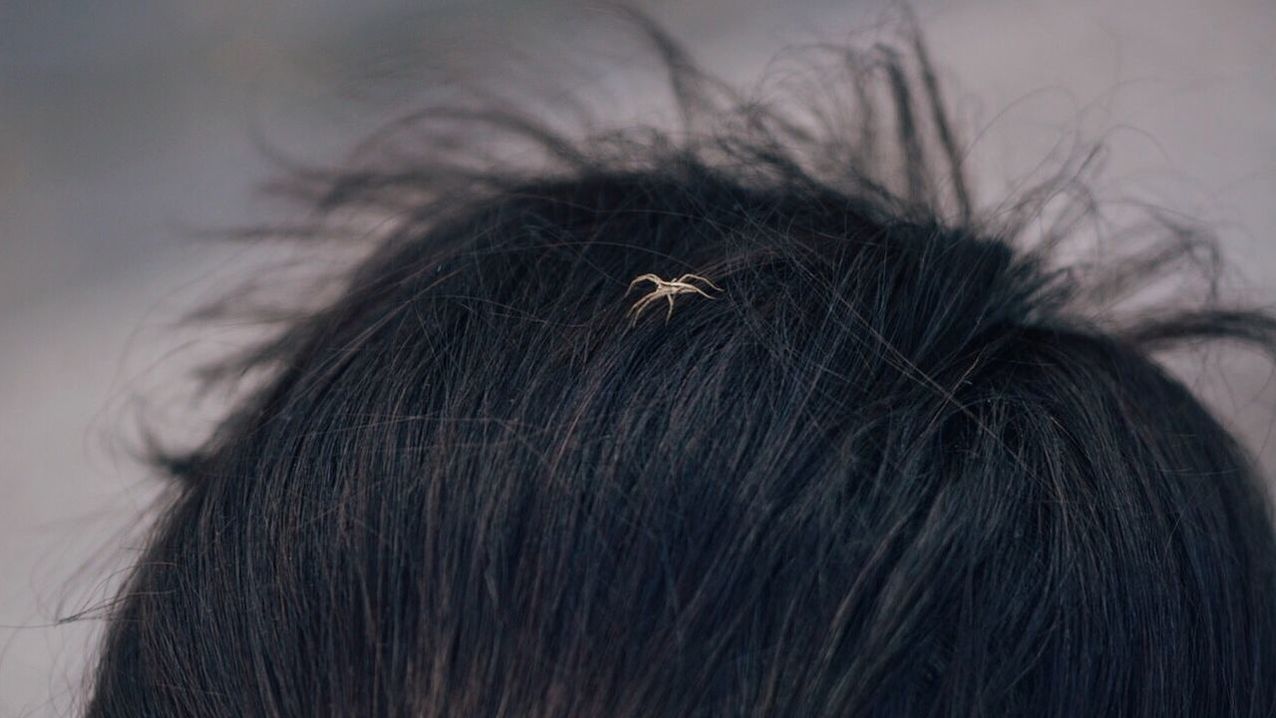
[{"x": 667, "y": 289}]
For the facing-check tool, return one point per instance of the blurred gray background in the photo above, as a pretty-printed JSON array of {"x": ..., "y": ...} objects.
[{"x": 124, "y": 126}]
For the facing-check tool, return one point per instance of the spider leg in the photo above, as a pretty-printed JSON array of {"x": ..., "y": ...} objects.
[
  {"x": 669, "y": 314},
  {"x": 685, "y": 288},
  {"x": 643, "y": 303},
  {"x": 708, "y": 281},
  {"x": 683, "y": 280},
  {"x": 637, "y": 306},
  {"x": 648, "y": 277}
]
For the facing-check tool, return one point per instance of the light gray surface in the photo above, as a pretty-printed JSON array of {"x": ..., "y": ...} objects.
[{"x": 121, "y": 127}]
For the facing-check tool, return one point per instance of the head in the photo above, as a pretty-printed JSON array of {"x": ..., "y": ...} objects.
[{"x": 744, "y": 420}]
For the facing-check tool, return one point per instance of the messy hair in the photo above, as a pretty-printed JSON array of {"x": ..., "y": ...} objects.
[{"x": 764, "y": 414}]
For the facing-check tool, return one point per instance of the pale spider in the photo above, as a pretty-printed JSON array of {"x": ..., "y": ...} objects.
[{"x": 666, "y": 288}]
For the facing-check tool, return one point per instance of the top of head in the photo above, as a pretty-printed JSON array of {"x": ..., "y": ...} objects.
[{"x": 887, "y": 471}]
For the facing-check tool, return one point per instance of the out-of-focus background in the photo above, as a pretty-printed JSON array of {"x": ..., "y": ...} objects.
[{"x": 126, "y": 127}]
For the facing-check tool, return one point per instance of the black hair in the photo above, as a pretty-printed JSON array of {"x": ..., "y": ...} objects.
[{"x": 858, "y": 446}]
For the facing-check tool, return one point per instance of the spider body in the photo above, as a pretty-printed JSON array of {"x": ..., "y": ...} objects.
[{"x": 667, "y": 289}]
